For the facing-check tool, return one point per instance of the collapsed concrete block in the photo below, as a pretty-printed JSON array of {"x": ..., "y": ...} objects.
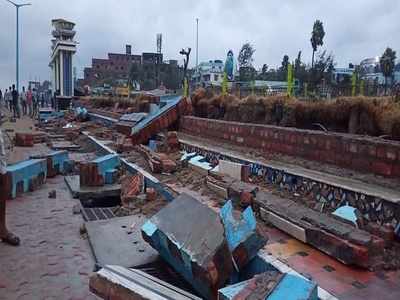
[
  {"x": 235, "y": 170},
  {"x": 190, "y": 237},
  {"x": 99, "y": 171},
  {"x": 57, "y": 162},
  {"x": 244, "y": 240},
  {"x": 271, "y": 286},
  {"x": 336, "y": 238},
  {"x": 25, "y": 176},
  {"x": 115, "y": 282}
]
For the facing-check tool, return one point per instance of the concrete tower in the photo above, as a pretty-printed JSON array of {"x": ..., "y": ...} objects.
[{"x": 63, "y": 47}]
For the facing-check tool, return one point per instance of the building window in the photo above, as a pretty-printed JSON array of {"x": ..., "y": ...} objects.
[
  {"x": 215, "y": 77},
  {"x": 122, "y": 68}
]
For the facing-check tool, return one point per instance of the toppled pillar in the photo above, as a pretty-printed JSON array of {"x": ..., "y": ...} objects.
[
  {"x": 25, "y": 176},
  {"x": 244, "y": 240},
  {"x": 115, "y": 282},
  {"x": 100, "y": 171},
  {"x": 57, "y": 162},
  {"x": 338, "y": 239},
  {"x": 190, "y": 237},
  {"x": 271, "y": 285}
]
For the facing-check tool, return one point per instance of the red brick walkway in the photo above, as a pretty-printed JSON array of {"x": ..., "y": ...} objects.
[{"x": 53, "y": 261}]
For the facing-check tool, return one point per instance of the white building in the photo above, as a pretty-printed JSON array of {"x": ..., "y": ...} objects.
[
  {"x": 63, "y": 47},
  {"x": 209, "y": 73}
]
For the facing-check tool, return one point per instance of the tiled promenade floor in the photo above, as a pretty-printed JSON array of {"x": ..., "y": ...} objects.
[
  {"x": 346, "y": 283},
  {"x": 53, "y": 261}
]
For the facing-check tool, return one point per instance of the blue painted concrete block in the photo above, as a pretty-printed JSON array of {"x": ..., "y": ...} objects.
[
  {"x": 111, "y": 176},
  {"x": 292, "y": 287},
  {"x": 107, "y": 163},
  {"x": 25, "y": 173},
  {"x": 244, "y": 241},
  {"x": 190, "y": 237},
  {"x": 56, "y": 161}
]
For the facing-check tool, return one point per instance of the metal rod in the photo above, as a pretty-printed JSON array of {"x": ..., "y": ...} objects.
[
  {"x": 17, "y": 46},
  {"x": 197, "y": 42}
]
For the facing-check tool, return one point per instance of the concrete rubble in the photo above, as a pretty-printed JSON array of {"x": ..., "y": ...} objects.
[{"x": 338, "y": 239}]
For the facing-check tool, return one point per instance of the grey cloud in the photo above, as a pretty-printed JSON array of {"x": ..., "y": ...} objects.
[{"x": 354, "y": 29}]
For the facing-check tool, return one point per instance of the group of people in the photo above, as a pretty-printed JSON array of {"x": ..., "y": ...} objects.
[{"x": 23, "y": 103}]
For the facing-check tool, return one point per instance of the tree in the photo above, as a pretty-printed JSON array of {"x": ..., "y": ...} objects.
[
  {"x": 285, "y": 63},
  {"x": 264, "y": 69},
  {"x": 297, "y": 63},
  {"x": 245, "y": 58},
  {"x": 323, "y": 68},
  {"x": 387, "y": 63},
  {"x": 282, "y": 71},
  {"x": 317, "y": 38}
]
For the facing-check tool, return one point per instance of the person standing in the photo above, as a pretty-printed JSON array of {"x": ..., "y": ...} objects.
[
  {"x": 9, "y": 99},
  {"x": 35, "y": 100},
  {"x": 5, "y": 96},
  {"x": 15, "y": 104},
  {"x": 23, "y": 101},
  {"x": 1, "y": 97},
  {"x": 5, "y": 235},
  {"x": 29, "y": 97}
]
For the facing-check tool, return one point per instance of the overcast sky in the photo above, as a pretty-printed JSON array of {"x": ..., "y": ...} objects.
[{"x": 355, "y": 29}]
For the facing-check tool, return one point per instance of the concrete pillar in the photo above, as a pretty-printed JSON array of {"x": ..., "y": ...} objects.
[{"x": 61, "y": 58}]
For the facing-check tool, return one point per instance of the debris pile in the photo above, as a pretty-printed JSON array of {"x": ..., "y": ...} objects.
[{"x": 206, "y": 249}]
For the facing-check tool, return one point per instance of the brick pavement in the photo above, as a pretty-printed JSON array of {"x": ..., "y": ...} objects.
[{"x": 53, "y": 261}]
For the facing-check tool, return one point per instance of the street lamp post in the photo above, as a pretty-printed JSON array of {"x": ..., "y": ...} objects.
[{"x": 17, "y": 6}]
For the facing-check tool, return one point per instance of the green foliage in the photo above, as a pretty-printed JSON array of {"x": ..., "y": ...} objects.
[
  {"x": 245, "y": 58},
  {"x": 323, "y": 68},
  {"x": 387, "y": 64},
  {"x": 317, "y": 37},
  {"x": 290, "y": 80},
  {"x": 225, "y": 85}
]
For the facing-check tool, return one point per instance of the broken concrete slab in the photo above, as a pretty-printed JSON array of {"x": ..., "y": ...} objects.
[
  {"x": 271, "y": 285},
  {"x": 116, "y": 282},
  {"x": 244, "y": 240},
  {"x": 190, "y": 237},
  {"x": 64, "y": 145},
  {"x": 118, "y": 241},
  {"x": 88, "y": 192},
  {"x": 336, "y": 238},
  {"x": 200, "y": 164},
  {"x": 258, "y": 287},
  {"x": 235, "y": 170}
]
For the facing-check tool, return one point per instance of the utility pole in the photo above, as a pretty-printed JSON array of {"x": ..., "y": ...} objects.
[
  {"x": 197, "y": 43},
  {"x": 17, "y": 6}
]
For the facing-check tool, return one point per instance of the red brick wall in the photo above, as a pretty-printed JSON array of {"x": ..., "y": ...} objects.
[{"x": 365, "y": 154}]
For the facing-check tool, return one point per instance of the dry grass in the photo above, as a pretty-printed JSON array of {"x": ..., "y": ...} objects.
[{"x": 358, "y": 115}]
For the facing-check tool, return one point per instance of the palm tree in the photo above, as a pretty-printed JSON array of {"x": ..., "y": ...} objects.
[{"x": 317, "y": 38}]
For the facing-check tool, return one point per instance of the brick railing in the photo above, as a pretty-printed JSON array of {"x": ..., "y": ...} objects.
[{"x": 365, "y": 154}]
